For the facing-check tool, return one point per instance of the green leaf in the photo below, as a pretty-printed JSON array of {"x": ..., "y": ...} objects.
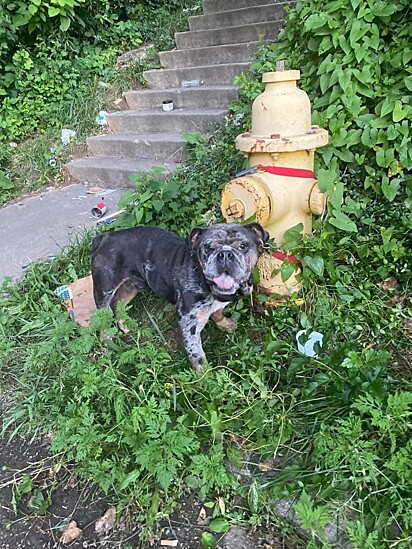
[
  {"x": 324, "y": 82},
  {"x": 64, "y": 23},
  {"x": 235, "y": 456},
  {"x": 194, "y": 138},
  {"x": 208, "y": 540},
  {"x": 390, "y": 189},
  {"x": 53, "y": 11},
  {"x": 315, "y": 264},
  {"x": 343, "y": 222},
  {"x": 345, "y": 78},
  {"x": 130, "y": 479},
  {"x": 398, "y": 112},
  {"x": 38, "y": 503},
  {"x": 219, "y": 525},
  {"x": 336, "y": 195},
  {"x": 292, "y": 236},
  {"x": 316, "y": 21},
  {"x": 380, "y": 158},
  {"x": 408, "y": 82},
  {"x": 286, "y": 270},
  {"x": 387, "y": 106},
  {"x": 383, "y": 9},
  {"x": 5, "y": 182},
  {"x": 326, "y": 179},
  {"x": 158, "y": 205}
]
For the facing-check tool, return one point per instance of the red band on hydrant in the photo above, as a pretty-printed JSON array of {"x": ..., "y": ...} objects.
[
  {"x": 282, "y": 256},
  {"x": 288, "y": 172}
]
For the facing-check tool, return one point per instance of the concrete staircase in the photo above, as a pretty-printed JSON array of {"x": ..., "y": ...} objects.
[{"x": 220, "y": 44}]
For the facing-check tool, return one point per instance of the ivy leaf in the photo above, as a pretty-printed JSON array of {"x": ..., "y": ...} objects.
[
  {"x": 344, "y": 79},
  {"x": 64, "y": 23},
  {"x": 390, "y": 189},
  {"x": 383, "y": 9},
  {"x": 336, "y": 195},
  {"x": 316, "y": 21},
  {"x": 326, "y": 179},
  {"x": 343, "y": 222},
  {"x": 315, "y": 264},
  {"x": 208, "y": 540},
  {"x": 387, "y": 106},
  {"x": 398, "y": 112},
  {"x": 219, "y": 525},
  {"x": 53, "y": 11},
  {"x": 158, "y": 205},
  {"x": 292, "y": 236},
  {"x": 286, "y": 270}
]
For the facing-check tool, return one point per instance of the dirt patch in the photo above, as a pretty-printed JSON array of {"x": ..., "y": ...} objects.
[{"x": 71, "y": 500}]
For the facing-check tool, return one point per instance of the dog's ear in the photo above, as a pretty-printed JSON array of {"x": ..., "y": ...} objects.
[
  {"x": 194, "y": 237},
  {"x": 258, "y": 232}
]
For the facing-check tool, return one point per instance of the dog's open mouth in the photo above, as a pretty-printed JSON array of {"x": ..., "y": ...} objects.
[{"x": 224, "y": 283}]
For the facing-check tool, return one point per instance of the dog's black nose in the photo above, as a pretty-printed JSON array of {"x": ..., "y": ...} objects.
[{"x": 225, "y": 255}]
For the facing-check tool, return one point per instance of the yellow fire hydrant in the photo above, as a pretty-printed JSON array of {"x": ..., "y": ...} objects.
[{"x": 280, "y": 188}]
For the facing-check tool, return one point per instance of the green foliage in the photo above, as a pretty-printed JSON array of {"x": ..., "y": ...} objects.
[
  {"x": 354, "y": 58},
  {"x": 335, "y": 428},
  {"x": 53, "y": 78},
  {"x": 190, "y": 195},
  {"x": 311, "y": 517},
  {"x": 35, "y": 13}
]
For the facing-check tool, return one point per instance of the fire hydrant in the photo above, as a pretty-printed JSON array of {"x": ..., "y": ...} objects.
[{"x": 279, "y": 189}]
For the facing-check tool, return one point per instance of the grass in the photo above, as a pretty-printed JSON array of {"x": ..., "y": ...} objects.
[
  {"x": 291, "y": 425},
  {"x": 27, "y": 165},
  {"x": 264, "y": 423}
]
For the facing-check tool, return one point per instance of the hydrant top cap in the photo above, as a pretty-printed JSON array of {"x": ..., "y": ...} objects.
[{"x": 280, "y": 76}]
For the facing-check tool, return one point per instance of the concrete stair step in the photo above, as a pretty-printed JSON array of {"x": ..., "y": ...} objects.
[
  {"x": 209, "y": 74},
  {"x": 112, "y": 172},
  {"x": 212, "y": 6},
  {"x": 178, "y": 120},
  {"x": 228, "y": 53},
  {"x": 214, "y": 97},
  {"x": 220, "y": 45},
  {"x": 242, "y": 16},
  {"x": 230, "y": 35},
  {"x": 165, "y": 147}
]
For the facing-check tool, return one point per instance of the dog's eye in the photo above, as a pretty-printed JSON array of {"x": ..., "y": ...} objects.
[
  {"x": 208, "y": 248},
  {"x": 244, "y": 247}
]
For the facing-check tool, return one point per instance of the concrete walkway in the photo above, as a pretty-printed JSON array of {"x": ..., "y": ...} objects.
[{"x": 37, "y": 227}]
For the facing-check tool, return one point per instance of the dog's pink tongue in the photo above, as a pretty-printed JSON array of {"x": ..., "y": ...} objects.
[{"x": 224, "y": 282}]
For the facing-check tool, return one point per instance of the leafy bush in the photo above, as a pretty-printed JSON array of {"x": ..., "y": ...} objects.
[
  {"x": 333, "y": 429},
  {"x": 355, "y": 63},
  {"x": 51, "y": 52}
]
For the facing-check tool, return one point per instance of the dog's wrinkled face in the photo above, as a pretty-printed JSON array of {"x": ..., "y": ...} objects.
[{"x": 227, "y": 254}]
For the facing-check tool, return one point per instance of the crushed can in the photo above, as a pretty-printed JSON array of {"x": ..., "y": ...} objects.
[{"x": 99, "y": 210}]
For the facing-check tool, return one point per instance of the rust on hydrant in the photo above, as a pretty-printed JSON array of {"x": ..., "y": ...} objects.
[{"x": 283, "y": 191}]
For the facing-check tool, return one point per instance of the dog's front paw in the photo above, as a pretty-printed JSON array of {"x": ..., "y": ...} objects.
[
  {"x": 199, "y": 363},
  {"x": 228, "y": 324}
]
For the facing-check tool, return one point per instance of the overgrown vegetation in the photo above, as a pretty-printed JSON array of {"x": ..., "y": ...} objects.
[
  {"x": 331, "y": 432},
  {"x": 57, "y": 71}
]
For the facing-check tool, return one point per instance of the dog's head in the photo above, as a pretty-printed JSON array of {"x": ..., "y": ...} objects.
[{"x": 227, "y": 254}]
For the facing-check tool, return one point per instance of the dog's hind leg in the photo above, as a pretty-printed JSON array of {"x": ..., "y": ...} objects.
[{"x": 125, "y": 292}]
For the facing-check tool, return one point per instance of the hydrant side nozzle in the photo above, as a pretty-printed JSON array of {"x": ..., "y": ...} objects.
[
  {"x": 246, "y": 196},
  {"x": 317, "y": 201}
]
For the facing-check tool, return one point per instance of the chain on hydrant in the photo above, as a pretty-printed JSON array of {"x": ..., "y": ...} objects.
[{"x": 280, "y": 188}]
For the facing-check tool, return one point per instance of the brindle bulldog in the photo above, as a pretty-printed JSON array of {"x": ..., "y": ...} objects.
[{"x": 200, "y": 274}]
